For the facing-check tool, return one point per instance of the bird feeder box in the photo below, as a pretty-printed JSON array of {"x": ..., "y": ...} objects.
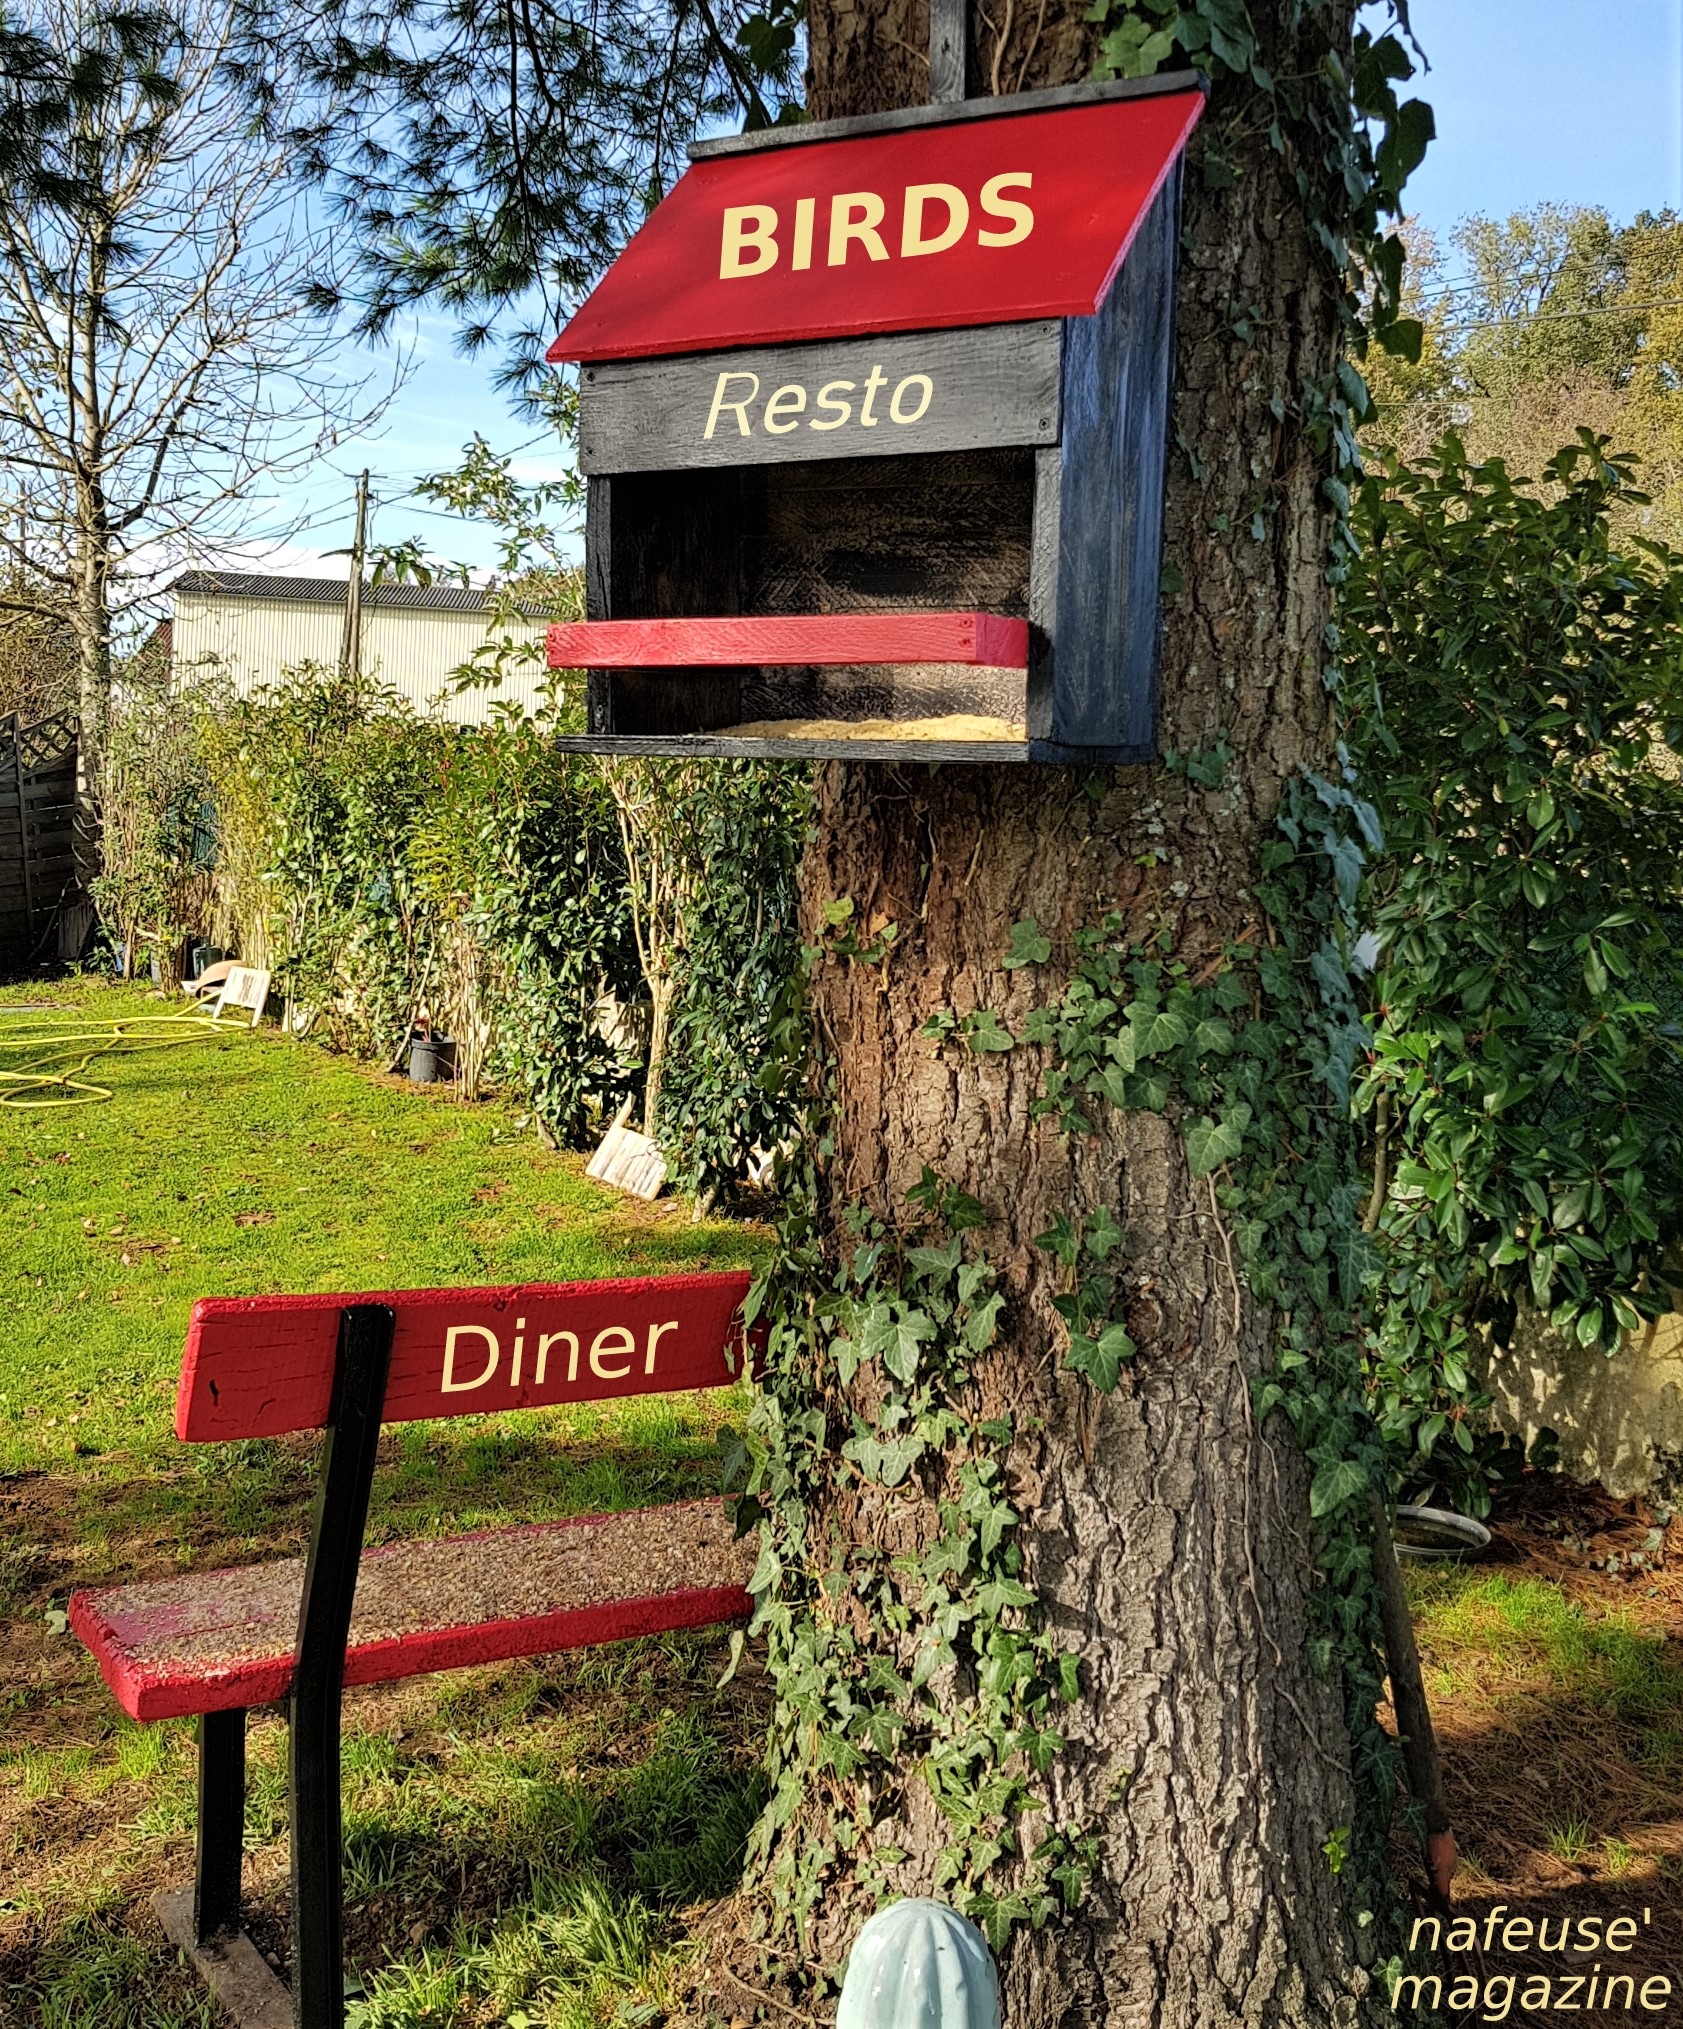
[{"x": 873, "y": 417}]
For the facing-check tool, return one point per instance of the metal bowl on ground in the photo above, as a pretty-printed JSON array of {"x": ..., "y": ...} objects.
[{"x": 1436, "y": 1533}]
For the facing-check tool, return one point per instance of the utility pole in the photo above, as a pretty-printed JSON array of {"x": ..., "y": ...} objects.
[{"x": 350, "y": 647}]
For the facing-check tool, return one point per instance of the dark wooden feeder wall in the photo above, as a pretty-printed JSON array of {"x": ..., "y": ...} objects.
[{"x": 1010, "y": 472}]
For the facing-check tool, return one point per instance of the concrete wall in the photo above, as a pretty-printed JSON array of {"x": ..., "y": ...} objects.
[
  {"x": 1619, "y": 1417},
  {"x": 252, "y": 641}
]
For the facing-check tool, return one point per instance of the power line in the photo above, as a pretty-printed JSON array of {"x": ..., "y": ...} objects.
[{"x": 1566, "y": 316}]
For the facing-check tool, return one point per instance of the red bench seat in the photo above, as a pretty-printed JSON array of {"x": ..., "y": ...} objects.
[
  {"x": 216, "y": 1643},
  {"x": 219, "y": 1641}
]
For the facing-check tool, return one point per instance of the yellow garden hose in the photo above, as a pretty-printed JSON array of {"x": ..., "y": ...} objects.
[{"x": 55, "y": 1054}]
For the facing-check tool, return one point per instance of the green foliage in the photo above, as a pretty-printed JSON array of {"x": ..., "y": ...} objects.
[
  {"x": 157, "y": 843},
  {"x": 1353, "y": 169},
  {"x": 1549, "y": 320},
  {"x": 1516, "y": 679},
  {"x": 1255, "y": 1062},
  {"x": 385, "y": 867},
  {"x": 863, "y": 1644},
  {"x": 1099, "y": 1344},
  {"x": 705, "y": 872},
  {"x": 520, "y": 145},
  {"x": 725, "y": 1088}
]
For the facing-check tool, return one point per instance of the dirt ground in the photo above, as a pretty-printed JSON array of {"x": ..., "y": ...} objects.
[{"x": 1559, "y": 1715}]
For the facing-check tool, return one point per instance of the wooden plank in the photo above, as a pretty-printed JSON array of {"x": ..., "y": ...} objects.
[
  {"x": 997, "y": 221},
  {"x": 1048, "y": 99},
  {"x": 710, "y": 746},
  {"x": 986, "y": 640},
  {"x": 258, "y": 1366},
  {"x": 1043, "y": 589},
  {"x": 861, "y": 397},
  {"x": 949, "y": 51},
  {"x": 672, "y": 554},
  {"x": 214, "y": 1641},
  {"x": 22, "y": 819},
  {"x": 1117, "y": 377},
  {"x": 235, "y": 1971},
  {"x": 629, "y": 1161}
]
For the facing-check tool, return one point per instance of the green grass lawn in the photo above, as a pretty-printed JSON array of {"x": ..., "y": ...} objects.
[
  {"x": 239, "y": 1164},
  {"x": 520, "y": 1840}
]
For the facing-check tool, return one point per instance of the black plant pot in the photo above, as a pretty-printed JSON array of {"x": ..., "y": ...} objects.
[{"x": 432, "y": 1059}]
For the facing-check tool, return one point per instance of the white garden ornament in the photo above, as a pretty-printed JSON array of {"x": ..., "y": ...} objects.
[{"x": 919, "y": 1965}]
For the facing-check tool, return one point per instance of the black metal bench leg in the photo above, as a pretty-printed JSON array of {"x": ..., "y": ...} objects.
[
  {"x": 324, "y": 1623},
  {"x": 318, "y": 1888},
  {"x": 221, "y": 1836}
]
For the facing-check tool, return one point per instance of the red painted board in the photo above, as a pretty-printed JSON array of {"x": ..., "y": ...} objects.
[
  {"x": 257, "y": 1366},
  {"x": 817, "y": 638},
  {"x": 981, "y": 222},
  {"x": 145, "y": 1694},
  {"x": 128, "y": 1628}
]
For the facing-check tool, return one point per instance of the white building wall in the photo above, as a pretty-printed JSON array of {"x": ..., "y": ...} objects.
[{"x": 252, "y": 641}]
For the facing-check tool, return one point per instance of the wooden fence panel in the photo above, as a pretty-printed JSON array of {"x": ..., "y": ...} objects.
[{"x": 40, "y": 817}]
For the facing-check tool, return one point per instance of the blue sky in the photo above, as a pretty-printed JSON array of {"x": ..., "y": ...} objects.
[{"x": 1578, "y": 101}]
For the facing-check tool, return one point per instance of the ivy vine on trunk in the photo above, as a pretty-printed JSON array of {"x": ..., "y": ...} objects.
[{"x": 1063, "y": 1458}]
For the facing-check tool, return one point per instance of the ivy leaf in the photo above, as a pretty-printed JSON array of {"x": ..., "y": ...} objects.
[
  {"x": 1211, "y": 1036},
  {"x": 1112, "y": 1081},
  {"x": 1156, "y": 1030},
  {"x": 1404, "y": 146},
  {"x": 984, "y": 1031},
  {"x": 847, "y": 1356},
  {"x": 936, "y": 1264},
  {"x": 1101, "y": 1358},
  {"x": 982, "y": 1325},
  {"x": 896, "y": 1338},
  {"x": 887, "y": 1462},
  {"x": 999, "y": 1593},
  {"x": 1334, "y": 1484},
  {"x": 1210, "y": 1143},
  {"x": 1028, "y": 945},
  {"x": 1103, "y": 1235},
  {"x": 1402, "y": 337},
  {"x": 1060, "y": 1239},
  {"x": 767, "y": 1570}
]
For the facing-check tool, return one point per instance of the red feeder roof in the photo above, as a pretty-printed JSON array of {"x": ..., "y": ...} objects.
[{"x": 975, "y": 221}]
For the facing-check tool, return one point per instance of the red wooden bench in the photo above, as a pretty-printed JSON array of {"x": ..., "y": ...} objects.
[{"x": 215, "y": 1643}]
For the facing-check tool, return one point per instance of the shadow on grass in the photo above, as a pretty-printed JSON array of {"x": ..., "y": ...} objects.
[
  {"x": 185, "y": 1507},
  {"x": 519, "y": 1842}
]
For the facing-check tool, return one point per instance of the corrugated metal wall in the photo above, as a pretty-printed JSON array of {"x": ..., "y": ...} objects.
[{"x": 252, "y": 641}]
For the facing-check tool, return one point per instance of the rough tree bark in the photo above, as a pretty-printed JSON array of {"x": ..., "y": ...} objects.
[{"x": 1170, "y": 1545}]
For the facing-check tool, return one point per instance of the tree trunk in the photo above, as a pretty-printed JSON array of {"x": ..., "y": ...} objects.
[
  {"x": 93, "y": 641},
  {"x": 662, "y": 990},
  {"x": 1167, "y": 1536}
]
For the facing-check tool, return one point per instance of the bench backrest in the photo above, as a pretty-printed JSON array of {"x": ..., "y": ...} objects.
[{"x": 259, "y": 1366}]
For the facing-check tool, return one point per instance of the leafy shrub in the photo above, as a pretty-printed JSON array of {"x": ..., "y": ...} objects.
[
  {"x": 1519, "y": 684},
  {"x": 723, "y": 1092}
]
